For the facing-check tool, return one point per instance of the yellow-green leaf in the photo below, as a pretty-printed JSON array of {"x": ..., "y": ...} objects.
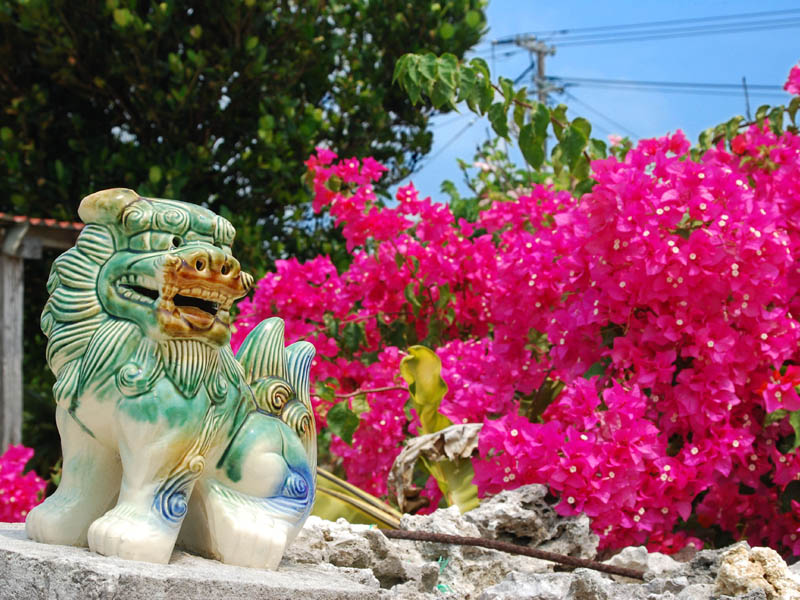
[
  {"x": 155, "y": 174},
  {"x": 122, "y": 17},
  {"x": 422, "y": 371}
]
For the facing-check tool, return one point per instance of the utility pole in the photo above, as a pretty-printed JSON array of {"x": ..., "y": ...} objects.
[
  {"x": 746, "y": 98},
  {"x": 541, "y": 50}
]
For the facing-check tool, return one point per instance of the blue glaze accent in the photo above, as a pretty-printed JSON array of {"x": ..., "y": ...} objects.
[{"x": 171, "y": 501}]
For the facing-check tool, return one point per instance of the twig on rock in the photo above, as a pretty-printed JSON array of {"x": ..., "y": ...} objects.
[{"x": 424, "y": 536}]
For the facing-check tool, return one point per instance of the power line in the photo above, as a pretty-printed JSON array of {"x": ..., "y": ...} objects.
[
  {"x": 453, "y": 139},
  {"x": 677, "y": 84},
  {"x": 746, "y": 17},
  {"x": 449, "y": 122},
  {"x": 502, "y": 56},
  {"x": 690, "y": 91},
  {"x": 689, "y": 32},
  {"x": 616, "y": 124}
]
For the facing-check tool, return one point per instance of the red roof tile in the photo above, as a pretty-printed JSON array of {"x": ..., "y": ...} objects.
[{"x": 37, "y": 221}]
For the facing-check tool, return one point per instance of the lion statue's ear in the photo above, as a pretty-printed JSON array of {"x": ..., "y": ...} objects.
[{"x": 106, "y": 206}]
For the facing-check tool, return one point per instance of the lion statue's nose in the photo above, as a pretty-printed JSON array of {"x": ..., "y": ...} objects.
[{"x": 209, "y": 260}]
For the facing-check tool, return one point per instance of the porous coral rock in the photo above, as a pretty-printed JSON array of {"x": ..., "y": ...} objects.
[
  {"x": 743, "y": 570},
  {"x": 523, "y": 516}
]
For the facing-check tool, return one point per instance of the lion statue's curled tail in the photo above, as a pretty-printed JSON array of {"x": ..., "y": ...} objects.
[{"x": 166, "y": 436}]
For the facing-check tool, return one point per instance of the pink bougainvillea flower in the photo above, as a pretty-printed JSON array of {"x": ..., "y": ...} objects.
[
  {"x": 792, "y": 84},
  {"x": 623, "y": 348},
  {"x": 19, "y": 492}
]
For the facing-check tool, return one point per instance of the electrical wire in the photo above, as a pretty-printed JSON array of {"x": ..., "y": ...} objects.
[
  {"x": 745, "y": 17},
  {"x": 676, "y": 84},
  {"x": 525, "y": 72},
  {"x": 452, "y": 140},
  {"x": 616, "y": 124},
  {"x": 662, "y": 35},
  {"x": 690, "y": 91}
]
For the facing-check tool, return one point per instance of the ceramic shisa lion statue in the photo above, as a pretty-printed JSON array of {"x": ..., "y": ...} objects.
[{"x": 166, "y": 436}]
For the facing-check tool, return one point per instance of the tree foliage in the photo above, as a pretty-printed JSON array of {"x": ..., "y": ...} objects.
[
  {"x": 214, "y": 103},
  {"x": 217, "y": 103}
]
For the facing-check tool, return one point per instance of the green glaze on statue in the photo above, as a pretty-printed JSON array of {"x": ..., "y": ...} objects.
[{"x": 167, "y": 436}]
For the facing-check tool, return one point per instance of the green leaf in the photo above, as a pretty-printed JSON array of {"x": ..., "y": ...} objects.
[
  {"x": 572, "y": 144},
  {"x": 122, "y": 17},
  {"x": 719, "y": 133},
  {"x": 60, "y": 170},
  {"x": 359, "y": 405},
  {"x": 584, "y": 187},
  {"x": 774, "y": 417},
  {"x": 597, "y": 148},
  {"x": 427, "y": 67},
  {"x": 6, "y": 134},
  {"x": 705, "y": 138},
  {"x": 155, "y": 174},
  {"x": 473, "y": 18},
  {"x": 580, "y": 169},
  {"x": 454, "y": 478},
  {"x": 485, "y": 97},
  {"x": 794, "y": 105},
  {"x": 352, "y": 336},
  {"x": 400, "y": 68},
  {"x": 342, "y": 421},
  {"x": 411, "y": 295},
  {"x": 444, "y": 296},
  {"x": 597, "y": 368},
  {"x": 442, "y": 94},
  {"x": 507, "y": 87},
  {"x": 413, "y": 68},
  {"x": 497, "y": 117},
  {"x": 732, "y": 126},
  {"x": 467, "y": 87},
  {"x": 540, "y": 119},
  {"x": 583, "y": 126},
  {"x": 422, "y": 369},
  {"x": 559, "y": 113},
  {"x": 414, "y": 91},
  {"x": 775, "y": 117},
  {"x": 761, "y": 113},
  {"x": 448, "y": 69},
  {"x": 519, "y": 107},
  {"x": 325, "y": 392},
  {"x": 481, "y": 66},
  {"x": 531, "y": 146},
  {"x": 447, "y": 31},
  {"x": 794, "y": 421}
]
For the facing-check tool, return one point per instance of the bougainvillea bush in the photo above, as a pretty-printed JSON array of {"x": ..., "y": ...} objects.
[
  {"x": 633, "y": 348},
  {"x": 18, "y": 493}
]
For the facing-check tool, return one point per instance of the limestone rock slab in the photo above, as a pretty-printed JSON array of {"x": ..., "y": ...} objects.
[{"x": 39, "y": 571}]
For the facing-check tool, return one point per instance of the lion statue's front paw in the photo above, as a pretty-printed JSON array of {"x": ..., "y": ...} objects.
[
  {"x": 249, "y": 539},
  {"x": 58, "y": 520},
  {"x": 123, "y": 532}
]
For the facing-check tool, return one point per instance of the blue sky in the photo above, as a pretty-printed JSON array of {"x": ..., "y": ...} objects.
[{"x": 763, "y": 57}]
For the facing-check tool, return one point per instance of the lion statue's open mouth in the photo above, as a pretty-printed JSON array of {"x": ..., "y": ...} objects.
[
  {"x": 163, "y": 430},
  {"x": 189, "y": 291}
]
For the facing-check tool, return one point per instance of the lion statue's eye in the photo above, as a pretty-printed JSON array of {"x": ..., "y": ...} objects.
[{"x": 176, "y": 242}]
